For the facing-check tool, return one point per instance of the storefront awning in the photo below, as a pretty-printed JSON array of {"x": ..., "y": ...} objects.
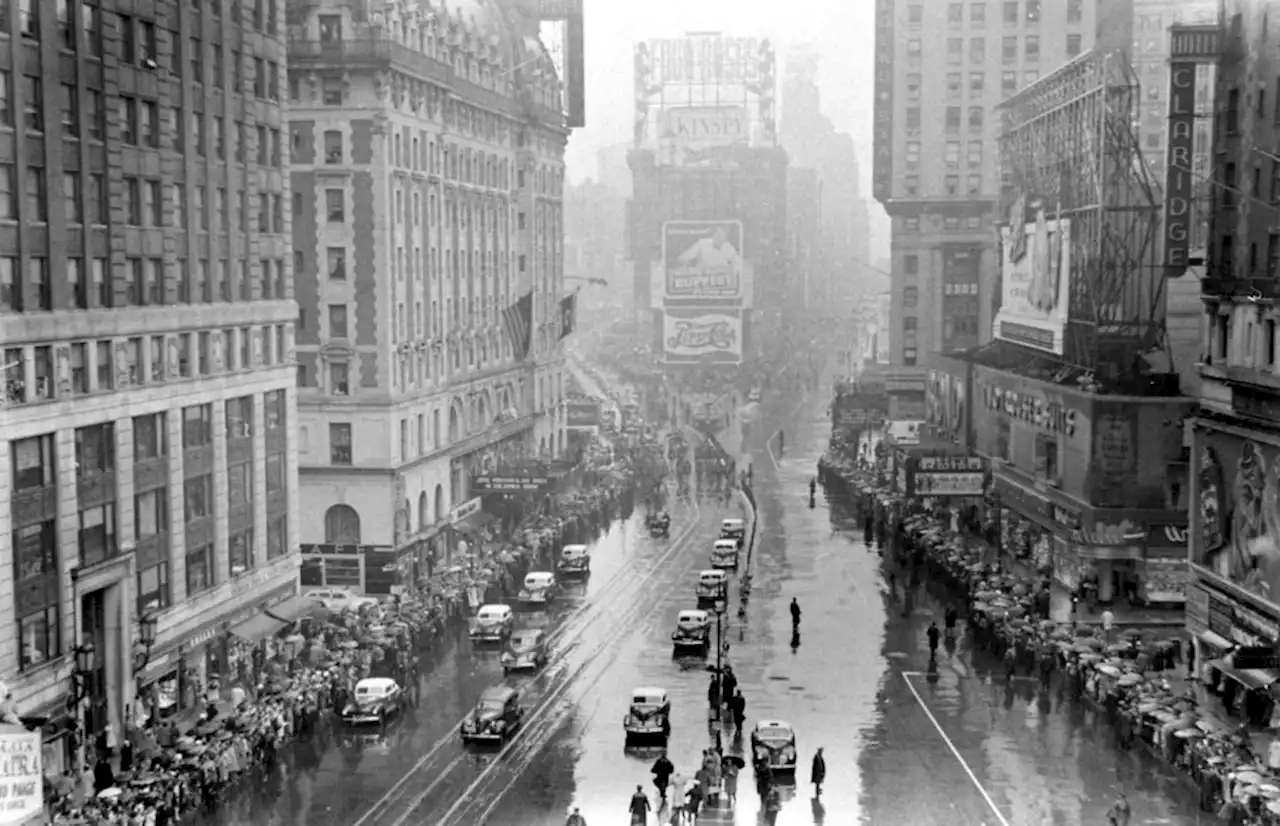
[
  {"x": 1250, "y": 678},
  {"x": 1216, "y": 640},
  {"x": 473, "y": 523},
  {"x": 293, "y": 609},
  {"x": 258, "y": 628}
]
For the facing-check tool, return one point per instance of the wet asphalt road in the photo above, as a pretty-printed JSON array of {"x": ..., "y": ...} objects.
[{"x": 902, "y": 747}]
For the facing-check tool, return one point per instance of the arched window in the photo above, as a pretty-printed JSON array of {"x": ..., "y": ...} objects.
[
  {"x": 423, "y": 515},
  {"x": 341, "y": 526},
  {"x": 454, "y": 435},
  {"x": 484, "y": 412},
  {"x": 440, "y": 502}
]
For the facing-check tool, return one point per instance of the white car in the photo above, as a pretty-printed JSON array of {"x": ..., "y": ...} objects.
[
  {"x": 724, "y": 554},
  {"x": 713, "y": 584},
  {"x": 539, "y": 588},
  {"x": 493, "y": 623},
  {"x": 337, "y": 600},
  {"x": 649, "y": 715}
]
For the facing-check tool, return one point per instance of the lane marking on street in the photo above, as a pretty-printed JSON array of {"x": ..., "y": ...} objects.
[
  {"x": 677, "y": 544},
  {"x": 558, "y": 635},
  {"x": 955, "y": 752}
]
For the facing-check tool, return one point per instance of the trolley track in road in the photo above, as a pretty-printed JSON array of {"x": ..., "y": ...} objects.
[
  {"x": 520, "y": 754},
  {"x": 569, "y": 631}
]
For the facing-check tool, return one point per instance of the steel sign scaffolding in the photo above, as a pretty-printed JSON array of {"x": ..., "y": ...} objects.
[{"x": 1069, "y": 147}]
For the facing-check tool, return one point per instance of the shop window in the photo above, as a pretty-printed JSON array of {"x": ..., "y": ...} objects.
[{"x": 1047, "y": 459}]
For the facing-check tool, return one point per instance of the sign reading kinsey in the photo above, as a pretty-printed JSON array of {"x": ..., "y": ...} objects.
[{"x": 1036, "y": 411}]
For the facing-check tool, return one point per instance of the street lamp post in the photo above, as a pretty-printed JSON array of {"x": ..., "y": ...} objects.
[
  {"x": 720, "y": 605},
  {"x": 147, "y": 639}
]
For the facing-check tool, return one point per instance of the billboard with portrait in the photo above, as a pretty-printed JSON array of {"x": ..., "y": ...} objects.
[
  {"x": 702, "y": 336},
  {"x": 1235, "y": 518},
  {"x": 703, "y": 260},
  {"x": 1035, "y": 271}
]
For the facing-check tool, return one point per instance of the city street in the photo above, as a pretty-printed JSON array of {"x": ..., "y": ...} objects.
[{"x": 902, "y": 745}]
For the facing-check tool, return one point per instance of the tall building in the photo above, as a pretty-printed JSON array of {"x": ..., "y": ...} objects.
[
  {"x": 806, "y": 257},
  {"x": 147, "y": 456},
  {"x": 595, "y": 216},
  {"x": 843, "y": 240},
  {"x": 939, "y": 77},
  {"x": 428, "y": 168},
  {"x": 1235, "y": 452}
]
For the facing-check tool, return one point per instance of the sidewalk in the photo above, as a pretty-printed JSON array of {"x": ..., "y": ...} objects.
[{"x": 1126, "y": 615}]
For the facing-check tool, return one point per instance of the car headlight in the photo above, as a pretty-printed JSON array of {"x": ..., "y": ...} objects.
[
  {"x": 788, "y": 753},
  {"x": 628, "y": 720}
]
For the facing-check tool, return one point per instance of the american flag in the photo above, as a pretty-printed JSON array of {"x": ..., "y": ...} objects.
[{"x": 518, "y": 321}]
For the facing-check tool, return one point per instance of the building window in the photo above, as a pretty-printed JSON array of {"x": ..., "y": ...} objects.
[
  {"x": 239, "y": 418},
  {"x": 275, "y": 473},
  {"x": 79, "y": 368},
  {"x": 97, "y": 535},
  {"x": 104, "y": 362},
  {"x": 151, "y": 512},
  {"x": 340, "y": 444},
  {"x": 1008, "y": 83},
  {"x": 975, "y": 117},
  {"x": 911, "y": 264},
  {"x": 8, "y": 192},
  {"x": 277, "y": 537},
  {"x": 335, "y": 209},
  {"x": 337, "y": 263},
  {"x": 197, "y": 497},
  {"x": 338, "y": 320},
  {"x": 153, "y": 588},
  {"x": 150, "y": 437},
  {"x": 1032, "y": 47},
  {"x": 333, "y": 147},
  {"x": 197, "y": 426},
  {"x": 1009, "y": 49},
  {"x": 199, "y": 569},
  {"x": 240, "y": 552},
  {"x": 95, "y": 450},
  {"x": 39, "y": 638},
  {"x": 273, "y": 409},
  {"x": 240, "y": 484},
  {"x": 910, "y": 297},
  {"x": 1073, "y": 45},
  {"x": 339, "y": 379},
  {"x": 33, "y": 464}
]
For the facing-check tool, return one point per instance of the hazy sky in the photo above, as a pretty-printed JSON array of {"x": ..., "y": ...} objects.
[{"x": 842, "y": 31}]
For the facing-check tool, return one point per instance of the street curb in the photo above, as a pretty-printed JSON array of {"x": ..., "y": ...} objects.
[{"x": 747, "y": 496}]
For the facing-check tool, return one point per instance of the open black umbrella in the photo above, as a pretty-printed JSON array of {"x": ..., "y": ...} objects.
[{"x": 735, "y": 759}]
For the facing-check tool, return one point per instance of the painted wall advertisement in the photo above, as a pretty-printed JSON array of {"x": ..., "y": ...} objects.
[
  {"x": 22, "y": 781},
  {"x": 1036, "y": 281},
  {"x": 703, "y": 260},
  {"x": 1236, "y": 515},
  {"x": 882, "y": 133},
  {"x": 696, "y": 136},
  {"x": 702, "y": 336}
]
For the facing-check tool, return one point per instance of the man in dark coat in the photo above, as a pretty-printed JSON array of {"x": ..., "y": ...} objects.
[{"x": 818, "y": 773}]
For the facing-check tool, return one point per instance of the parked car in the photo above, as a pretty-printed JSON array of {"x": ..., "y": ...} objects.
[
  {"x": 336, "y": 600},
  {"x": 376, "y": 699},
  {"x": 733, "y": 529},
  {"x": 539, "y": 588},
  {"x": 575, "y": 560},
  {"x": 713, "y": 584},
  {"x": 649, "y": 717},
  {"x": 493, "y": 623},
  {"x": 527, "y": 649},
  {"x": 495, "y": 718}
]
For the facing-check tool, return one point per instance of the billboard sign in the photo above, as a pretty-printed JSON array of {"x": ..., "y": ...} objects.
[
  {"x": 703, "y": 260},
  {"x": 693, "y": 336},
  {"x": 1189, "y": 46},
  {"x": 513, "y": 483},
  {"x": 882, "y": 107},
  {"x": 697, "y": 136},
  {"x": 23, "y": 783},
  {"x": 707, "y": 60},
  {"x": 946, "y": 404},
  {"x": 582, "y": 414},
  {"x": 947, "y": 483},
  {"x": 1035, "y": 288}
]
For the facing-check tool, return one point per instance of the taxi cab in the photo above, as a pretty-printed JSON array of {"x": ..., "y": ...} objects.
[
  {"x": 724, "y": 554},
  {"x": 733, "y": 529},
  {"x": 713, "y": 584},
  {"x": 575, "y": 560},
  {"x": 693, "y": 631},
  {"x": 649, "y": 717},
  {"x": 527, "y": 649},
  {"x": 539, "y": 588},
  {"x": 493, "y": 623}
]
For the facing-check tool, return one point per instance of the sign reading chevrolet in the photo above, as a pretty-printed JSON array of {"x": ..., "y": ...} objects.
[{"x": 522, "y": 483}]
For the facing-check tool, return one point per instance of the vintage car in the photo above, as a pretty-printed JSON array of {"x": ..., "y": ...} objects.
[
  {"x": 575, "y": 560},
  {"x": 713, "y": 584},
  {"x": 376, "y": 699},
  {"x": 724, "y": 554},
  {"x": 649, "y": 716},
  {"x": 659, "y": 526},
  {"x": 693, "y": 631},
  {"x": 527, "y": 649},
  {"x": 495, "y": 718},
  {"x": 773, "y": 742},
  {"x": 733, "y": 529},
  {"x": 539, "y": 588},
  {"x": 492, "y": 623}
]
